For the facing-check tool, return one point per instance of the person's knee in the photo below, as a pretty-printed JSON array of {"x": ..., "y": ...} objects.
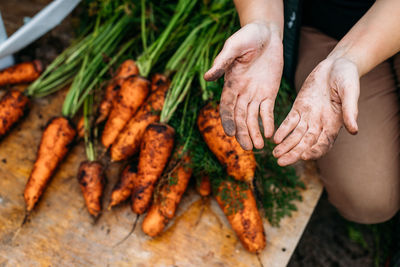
[{"x": 367, "y": 209}]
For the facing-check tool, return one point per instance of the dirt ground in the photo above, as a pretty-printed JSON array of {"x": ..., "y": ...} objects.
[{"x": 326, "y": 240}]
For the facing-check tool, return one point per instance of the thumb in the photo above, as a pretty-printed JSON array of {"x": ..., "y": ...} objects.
[
  {"x": 223, "y": 61},
  {"x": 347, "y": 80},
  {"x": 350, "y": 112}
]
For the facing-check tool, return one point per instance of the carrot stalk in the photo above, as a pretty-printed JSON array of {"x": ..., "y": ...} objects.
[
  {"x": 128, "y": 141},
  {"x": 123, "y": 189},
  {"x": 127, "y": 68},
  {"x": 131, "y": 96},
  {"x": 91, "y": 179},
  {"x": 21, "y": 73},
  {"x": 239, "y": 163},
  {"x": 54, "y": 145},
  {"x": 239, "y": 205},
  {"x": 156, "y": 148},
  {"x": 13, "y": 106}
]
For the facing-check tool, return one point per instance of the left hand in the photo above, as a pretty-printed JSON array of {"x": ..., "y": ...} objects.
[{"x": 327, "y": 100}]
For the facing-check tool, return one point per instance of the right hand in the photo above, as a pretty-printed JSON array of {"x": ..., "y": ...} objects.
[{"x": 252, "y": 60}]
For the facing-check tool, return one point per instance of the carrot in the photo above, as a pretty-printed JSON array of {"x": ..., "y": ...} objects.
[
  {"x": 80, "y": 128},
  {"x": 159, "y": 80},
  {"x": 154, "y": 222},
  {"x": 13, "y": 106},
  {"x": 239, "y": 163},
  {"x": 171, "y": 193},
  {"x": 167, "y": 198},
  {"x": 91, "y": 179},
  {"x": 240, "y": 207},
  {"x": 128, "y": 141},
  {"x": 54, "y": 145},
  {"x": 21, "y": 73},
  {"x": 123, "y": 189},
  {"x": 204, "y": 186},
  {"x": 156, "y": 148},
  {"x": 133, "y": 93},
  {"x": 127, "y": 68}
]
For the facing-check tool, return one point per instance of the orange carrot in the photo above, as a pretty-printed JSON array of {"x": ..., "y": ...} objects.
[
  {"x": 204, "y": 186},
  {"x": 240, "y": 207},
  {"x": 128, "y": 141},
  {"x": 167, "y": 198},
  {"x": 91, "y": 179},
  {"x": 172, "y": 191},
  {"x": 156, "y": 148},
  {"x": 13, "y": 106},
  {"x": 21, "y": 73},
  {"x": 55, "y": 143},
  {"x": 132, "y": 95},
  {"x": 127, "y": 68},
  {"x": 80, "y": 128},
  {"x": 123, "y": 189},
  {"x": 239, "y": 163}
]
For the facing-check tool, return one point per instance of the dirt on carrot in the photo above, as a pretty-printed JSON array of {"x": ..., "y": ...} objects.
[
  {"x": 128, "y": 141},
  {"x": 21, "y": 73},
  {"x": 13, "y": 106},
  {"x": 123, "y": 189},
  {"x": 54, "y": 145},
  {"x": 126, "y": 69},
  {"x": 239, "y": 205},
  {"x": 131, "y": 96},
  {"x": 92, "y": 180},
  {"x": 239, "y": 163},
  {"x": 156, "y": 148}
]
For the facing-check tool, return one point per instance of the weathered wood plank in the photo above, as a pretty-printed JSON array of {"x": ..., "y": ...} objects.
[{"x": 61, "y": 233}]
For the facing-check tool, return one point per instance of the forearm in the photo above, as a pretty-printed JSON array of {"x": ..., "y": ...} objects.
[
  {"x": 374, "y": 38},
  {"x": 268, "y": 11}
]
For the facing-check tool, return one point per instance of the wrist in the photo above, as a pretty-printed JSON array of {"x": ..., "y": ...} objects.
[
  {"x": 268, "y": 12},
  {"x": 341, "y": 54},
  {"x": 272, "y": 27}
]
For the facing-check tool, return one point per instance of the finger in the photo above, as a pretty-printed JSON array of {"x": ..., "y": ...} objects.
[
  {"x": 267, "y": 117},
  {"x": 292, "y": 140},
  {"x": 242, "y": 133},
  {"x": 223, "y": 61},
  {"x": 252, "y": 125},
  {"x": 323, "y": 145},
  {"x": 287, "y": 126},
  {"x": 227, "y": 109},
  {"x": 295, "y": 154}
]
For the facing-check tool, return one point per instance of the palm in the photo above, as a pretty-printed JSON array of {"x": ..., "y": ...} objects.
[
  {"x": 326, "y": 101},
  {"x": 252, "y": 60}
]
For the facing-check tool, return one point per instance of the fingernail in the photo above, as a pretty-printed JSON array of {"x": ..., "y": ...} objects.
[{"x": 229, "y": 127}]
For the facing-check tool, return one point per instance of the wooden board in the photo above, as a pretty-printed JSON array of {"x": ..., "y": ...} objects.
[{"x": 61, "y": 233}]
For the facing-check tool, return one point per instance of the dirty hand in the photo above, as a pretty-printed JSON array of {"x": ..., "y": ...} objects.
[
  {"x": 327, "y": 100},
  {"x": 252, "y": 60}
]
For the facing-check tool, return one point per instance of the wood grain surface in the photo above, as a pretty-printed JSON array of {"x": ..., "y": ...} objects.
[{"x": 60, "y": 232}]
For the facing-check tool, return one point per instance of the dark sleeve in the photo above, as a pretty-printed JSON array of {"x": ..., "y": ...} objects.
[{"x": 292, "y": 14}]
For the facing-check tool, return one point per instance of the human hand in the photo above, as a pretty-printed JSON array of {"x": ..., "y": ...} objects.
[
  {"x": 327, "y": 100},
  {"x": 252, "y": 60}
]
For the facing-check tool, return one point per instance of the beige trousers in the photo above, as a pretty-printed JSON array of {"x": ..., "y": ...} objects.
[{"x": 361, "y": 173}]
